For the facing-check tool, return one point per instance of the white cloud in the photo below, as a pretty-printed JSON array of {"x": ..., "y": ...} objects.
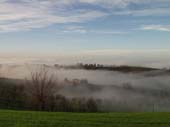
[
  {"x": 123, "y": 3},
  {"x": 145, "y": 12},
  {"x": 34, "y": 14},
  {"x": 83, "y": 30},
  {"x": 165, "y": 28},
  {"x": 150, "y": 7},
  {"x": 28, "y": 14},
  {"x": 108, "y": 32}
]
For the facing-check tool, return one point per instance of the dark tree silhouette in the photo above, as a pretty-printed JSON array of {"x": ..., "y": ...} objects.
[{"x": 41, "y": 87}]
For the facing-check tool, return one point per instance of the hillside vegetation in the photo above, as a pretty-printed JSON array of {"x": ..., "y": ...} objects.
[{"x": 122, "y": 68}]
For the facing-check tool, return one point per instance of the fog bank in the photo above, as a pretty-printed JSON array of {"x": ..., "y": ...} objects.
[{"x": 119, "y": 91}]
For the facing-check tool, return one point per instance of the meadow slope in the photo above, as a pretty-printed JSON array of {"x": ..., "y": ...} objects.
[{"x": 46, "y": 119}]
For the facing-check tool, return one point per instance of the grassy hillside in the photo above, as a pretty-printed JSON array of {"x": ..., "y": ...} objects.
[{"x": 45, "y": 119}]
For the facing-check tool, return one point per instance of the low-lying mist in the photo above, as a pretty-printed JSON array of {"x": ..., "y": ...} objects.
[{"x": 145, "y": 91}]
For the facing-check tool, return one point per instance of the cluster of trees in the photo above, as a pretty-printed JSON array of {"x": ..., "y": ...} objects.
[
  {"x": 63, "y": 104},
  {"x": 40, "y": 93},
  {"x": 11, "y": 94},
  {"x": 123, "y": 68}
]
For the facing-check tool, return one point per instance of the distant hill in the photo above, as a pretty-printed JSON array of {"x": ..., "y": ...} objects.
[{"x": 122, "y": 68}]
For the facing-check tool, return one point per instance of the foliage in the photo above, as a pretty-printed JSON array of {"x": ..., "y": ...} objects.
[{"x": 40, "y": 94}]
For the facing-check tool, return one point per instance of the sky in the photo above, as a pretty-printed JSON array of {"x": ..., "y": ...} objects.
[{"x": 135, "y": 32}]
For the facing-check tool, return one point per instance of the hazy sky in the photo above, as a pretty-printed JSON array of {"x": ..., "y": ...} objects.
[{"x": 125, "y": 31}]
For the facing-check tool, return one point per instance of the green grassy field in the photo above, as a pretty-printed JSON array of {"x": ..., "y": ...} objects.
[{"x": 45, "y": 119}]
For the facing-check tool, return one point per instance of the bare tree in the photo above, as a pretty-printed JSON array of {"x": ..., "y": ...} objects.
[{"x": 41, "y": 87}]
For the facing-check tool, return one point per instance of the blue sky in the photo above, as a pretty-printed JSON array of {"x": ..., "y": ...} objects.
[{"x": 87, "y": 30}]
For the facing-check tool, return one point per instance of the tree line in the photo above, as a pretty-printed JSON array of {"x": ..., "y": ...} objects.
[
  {"x": 122, "y": 68},
  {"x": 40, "y": 93}
]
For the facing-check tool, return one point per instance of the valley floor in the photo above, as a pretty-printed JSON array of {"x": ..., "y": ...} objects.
[{"x": 46, "y": 119}]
